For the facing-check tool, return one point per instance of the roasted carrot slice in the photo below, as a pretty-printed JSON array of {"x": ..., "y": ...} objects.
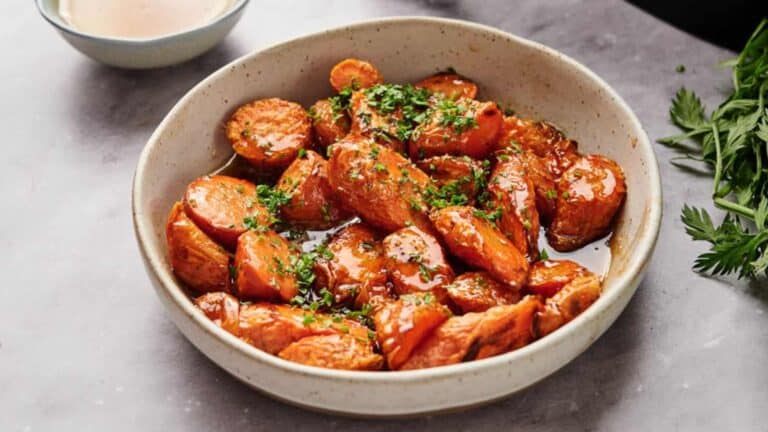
[
  {"x": 221, "y": 308},
  {"x": 219, "y": 205},
  {"x": 476, "y": 241},
  {"x": 329, "y": 125},
  {"x": 478, "y": 292},
  {"x": 336, "y": 351},
  {"x": 548, "y": 277},
  {"x": 270, "y": 132},
  {"x": 403, "y": 324},
  {"x": 449, "y": 85},
  {"x": 311, "y": 203},
  {"x": 195, "y": 258},
  {"x": 355, "y": 73},
  {"x": 263, "y": 265},
  {"x": 416, "y": 263}
]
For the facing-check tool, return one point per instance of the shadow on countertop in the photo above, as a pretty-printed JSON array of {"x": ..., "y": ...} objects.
[
  {"x": 727, "y": 24},
  {"x": 117, "y": 101}
]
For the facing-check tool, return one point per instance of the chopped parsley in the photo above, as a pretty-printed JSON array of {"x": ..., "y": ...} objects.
[
  {"x": 543, "y": 255},
  {"x": 425, "y": 273},
  {"x": 491, "y": 217},
  {"x": 252, "y": 223},
  {"x": 273, "y": 199},
  {"x": 340, "y": 102},
  {"x": 412, "y": 102},
  {"x": 455, "y": 116}
]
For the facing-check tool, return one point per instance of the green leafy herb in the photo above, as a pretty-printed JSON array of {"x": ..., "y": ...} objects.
[
  {"x": 272, "y": 199},
  {"x": 252, "y": 223},
  {"x": 733, "y": 142},
  {"x": 425, "y": 273},
  {"x": 340, "y": 102},
  {"x": 543, "y": 255},
  {"x": 412, "y": 103},
  {"x": 302, "y": 266},
  {"x": 455, "y": 116},
  {"x": 449, "y": 194}
]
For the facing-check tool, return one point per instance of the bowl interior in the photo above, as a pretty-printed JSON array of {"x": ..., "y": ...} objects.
[{"x": 535, "y": 81}]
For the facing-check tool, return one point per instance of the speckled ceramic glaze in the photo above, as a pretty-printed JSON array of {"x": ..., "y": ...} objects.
[
  {"x": 535, "y": 80},
  {"x": 145, "y": 53}
]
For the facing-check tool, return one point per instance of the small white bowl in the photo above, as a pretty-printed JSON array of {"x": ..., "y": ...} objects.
[
  {"x": 145, "y": 53},
  {"x": 535, "y": 80}
]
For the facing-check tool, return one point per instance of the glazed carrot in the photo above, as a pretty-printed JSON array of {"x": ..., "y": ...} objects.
[
  {"x": 311, "y": 203},
  {"x": 355, "y": 73},
  {"x": 329, "y": 125},
  {"x": 416, "y": 263},
  {"x": 449, "y": 85},
  {"x": 403, "y": 324},
  {"x": 464, "y": 127},
  {"x": 195, "y": 258},
  {"x": 269, "y": 132},
  {"x": 336, "y": 351},
  {"x": 475, "y": 240},
  {"x": 478, "y": 292},
  {"x": 548, "y": 277},
  {"x": 219, "y": 204},
  {"x": 263, "y": 265}
]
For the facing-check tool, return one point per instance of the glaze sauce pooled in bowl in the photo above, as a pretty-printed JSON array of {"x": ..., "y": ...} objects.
[{"x": 140, "y": 19}]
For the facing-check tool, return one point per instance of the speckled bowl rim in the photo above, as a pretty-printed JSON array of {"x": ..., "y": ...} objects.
[
  {"x": 60, "y": 25},
  {"x": 629, "y": 277}
]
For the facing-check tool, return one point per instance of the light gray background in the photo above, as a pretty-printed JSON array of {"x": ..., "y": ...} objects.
[{"x": 85, "y": 345}]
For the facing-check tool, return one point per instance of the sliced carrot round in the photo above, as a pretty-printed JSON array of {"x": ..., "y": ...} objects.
[
  {"x": 263, "y": 262},
  {"x": 269, "y": 132},
  {"x": 220, "y": 204},
  {"x": 451, "y": 86},
  {"x": 358, "y": 74},
  {"x": 329, "y": 125},
  {"x": 196, "y": 260}
]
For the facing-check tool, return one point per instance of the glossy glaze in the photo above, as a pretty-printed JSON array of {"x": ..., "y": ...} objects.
[{"x": 481, "y": 245}]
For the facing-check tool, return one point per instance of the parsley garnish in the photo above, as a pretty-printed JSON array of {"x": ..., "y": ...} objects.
[
  {"x": 491, "y": 216},
  {"x": 455, "y": 116},
  {"x": 543, "y": 255},
  {"x": 732, "y": 141},
  {"x": 412, "y": 102},
  {"x": 340, "y": 102},
  {"x": 272, "y": 199}
]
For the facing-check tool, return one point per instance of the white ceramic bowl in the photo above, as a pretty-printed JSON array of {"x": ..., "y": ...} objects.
[
  {"x": 145, "y": 53},
  {"x": 535, "y": 80}
]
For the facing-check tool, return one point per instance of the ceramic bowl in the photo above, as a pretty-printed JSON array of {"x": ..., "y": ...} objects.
[
  {"x": 537, "y": 81},
  {"x": 145, "y": 53}
]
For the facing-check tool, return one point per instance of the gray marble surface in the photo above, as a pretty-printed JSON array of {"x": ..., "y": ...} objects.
[{"x": 85, "y": 345}]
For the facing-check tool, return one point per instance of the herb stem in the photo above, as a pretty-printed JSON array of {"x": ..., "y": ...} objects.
[
  {"x": 718, "y": 159},
  {"x": 735, "y": 208}
]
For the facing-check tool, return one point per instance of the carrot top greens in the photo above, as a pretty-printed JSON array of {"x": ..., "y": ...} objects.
[{"x": 733, "y": 142}]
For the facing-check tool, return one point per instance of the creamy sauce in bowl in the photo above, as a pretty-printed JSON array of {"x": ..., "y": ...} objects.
[{"x": 140, "y": 19}]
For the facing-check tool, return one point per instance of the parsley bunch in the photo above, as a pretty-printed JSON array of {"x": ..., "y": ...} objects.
[{"x": 733, "y": 141}]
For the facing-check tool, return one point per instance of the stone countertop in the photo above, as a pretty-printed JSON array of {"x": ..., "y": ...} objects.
[{"x": 85, "y": 344}]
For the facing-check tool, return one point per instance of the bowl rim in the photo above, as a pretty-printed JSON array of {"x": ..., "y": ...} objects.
[
  {"x": 631, "y": 272},
  {"x": 64, "y": 27}
]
